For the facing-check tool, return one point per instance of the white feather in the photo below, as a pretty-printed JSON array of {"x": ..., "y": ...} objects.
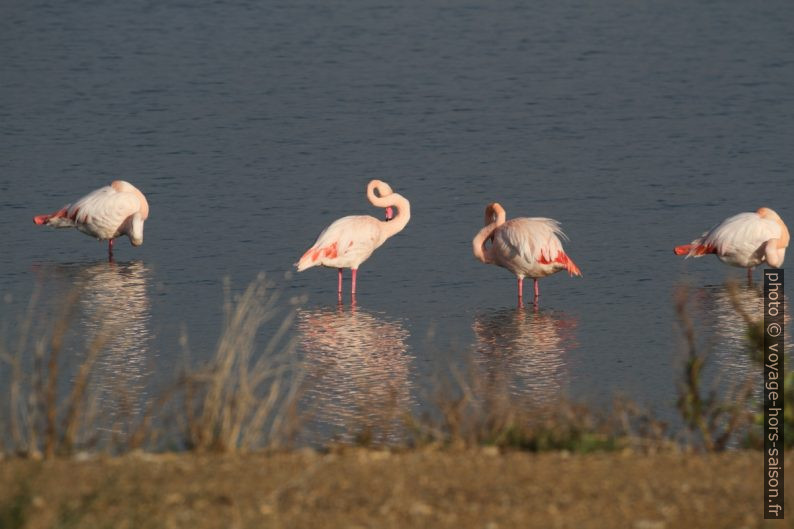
[
  {"x": 102, "y": 213},
  {"x": 521, "y": 244},
  {"x": 355, "y": 237},
  {"x": 740, "y": 240}
]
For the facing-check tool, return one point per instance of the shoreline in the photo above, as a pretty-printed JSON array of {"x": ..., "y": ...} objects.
[{"x": 358, "y": 487}]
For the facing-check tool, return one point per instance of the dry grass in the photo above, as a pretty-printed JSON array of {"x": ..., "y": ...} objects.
[
  {"x": 370, "y": 488},
  {"x": 44, "y": 418},
  {"x": 240, "y": 400},
  {"x": 477, "y": 412},
  {"x": 717, "y": 415},
  {"x": 755, "y": 341},
  {"x": 246, "y": 398}
]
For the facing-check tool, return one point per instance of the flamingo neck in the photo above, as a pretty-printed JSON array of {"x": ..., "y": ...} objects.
[
  {"x": 482, "y": 253},
  {"x": 388, "y": 198}
]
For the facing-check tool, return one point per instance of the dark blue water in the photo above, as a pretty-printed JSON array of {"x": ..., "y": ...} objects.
[{"x": 250, "y": 126}]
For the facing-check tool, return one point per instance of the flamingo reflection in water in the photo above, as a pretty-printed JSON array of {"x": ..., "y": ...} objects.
[
  {"x": 358, "y": 372},
  {"x": 714, "y": 311},
  {"x": 113, "y": 303},
  {"x": 524, "y": 351}
]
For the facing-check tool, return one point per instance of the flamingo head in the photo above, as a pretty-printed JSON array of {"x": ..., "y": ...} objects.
[
  {"x": 389, "y": 213},
  {"x": 494, "y": 212},
  {"x": 135, "y": 229}
]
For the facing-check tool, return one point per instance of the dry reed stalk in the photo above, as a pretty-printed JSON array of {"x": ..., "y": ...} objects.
[
  {"x": 49, "y": 397},
  {"x": 228, "y": 404},
  {"x": 75, "y": 402},
  {"x": 16, "y": 366},
  {"x": 481, "y": 411},
  {"x": 34, "y": 401},
  {"x": 716, "y": 419}
]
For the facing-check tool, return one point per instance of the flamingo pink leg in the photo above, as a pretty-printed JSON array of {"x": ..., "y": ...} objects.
[
  {"x": 537, "y": 290},
  {"x": 750, "y": 275},
  {"x": 339, "y": 283},
  {"x": 353, "y": 288},
  {"x": 520, "y": 288}
]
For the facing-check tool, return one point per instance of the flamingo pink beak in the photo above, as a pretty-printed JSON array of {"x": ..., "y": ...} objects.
[{"x": 389, "y": 213}]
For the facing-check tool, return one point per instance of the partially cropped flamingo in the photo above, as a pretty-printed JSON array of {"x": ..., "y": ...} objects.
[
  {"x": 744, "y": 240},
  {"x": 106, "y": 213},
  {"x": 528, "y": 247},
  {"x": 349, "y": 241}
]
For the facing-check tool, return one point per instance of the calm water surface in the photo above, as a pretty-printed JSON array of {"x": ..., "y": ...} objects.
[{"x": 250, "y": 126}]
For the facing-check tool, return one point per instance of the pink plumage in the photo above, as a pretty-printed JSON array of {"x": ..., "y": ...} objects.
[
  {"x": 528, "y": 247},
  {"x": 744, "y": 240},
  {"x": 349, "y": 241},
  {"x": 106, "y": 213}
]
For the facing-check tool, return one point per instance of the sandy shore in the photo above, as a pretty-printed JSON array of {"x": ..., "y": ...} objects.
[{"x": 363, "y": 488}]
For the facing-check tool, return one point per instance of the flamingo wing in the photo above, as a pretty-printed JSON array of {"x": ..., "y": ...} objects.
[
  {"x": 741, "y": 234},
  {"x": 531, "y": 239},
  {"x": 103, "y": 212},
  {"x": 527, "y": 242},
  {"x": 346, "y": 243}
]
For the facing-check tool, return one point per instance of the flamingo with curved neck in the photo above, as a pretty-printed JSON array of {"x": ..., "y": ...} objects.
[
  {"x": 528, "y": 247},
  {"x": 349, "y": 241}
]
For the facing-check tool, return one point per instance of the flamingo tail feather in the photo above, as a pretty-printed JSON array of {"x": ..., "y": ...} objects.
[
  {"x": 47, "y": 219},
  {"x": 563, "y": 259},
  {"x": 313, "y": 255},
  {"x": 694, "y": 250}
]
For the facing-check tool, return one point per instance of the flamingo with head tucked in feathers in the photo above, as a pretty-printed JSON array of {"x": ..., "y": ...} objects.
[
  {"x": 744, "y": 240},
  {"x": 349, "y": 241},
  {"x": 528, "y": 247},
  {"x": 106, "y": 213}
]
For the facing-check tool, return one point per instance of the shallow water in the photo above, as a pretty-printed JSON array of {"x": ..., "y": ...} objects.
[{"x": 251, "y": 126}]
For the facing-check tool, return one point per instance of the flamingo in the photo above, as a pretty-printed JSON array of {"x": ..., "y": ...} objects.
[
  {"x": 528, "y": 247},
  {"x": 349, "y": 241},
  {"x": 744, "y": 240},
  {"x": 106, "y": 213}
]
